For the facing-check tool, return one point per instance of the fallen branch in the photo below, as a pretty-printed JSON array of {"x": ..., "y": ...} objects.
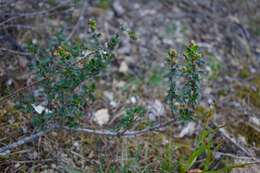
[
  {"x": 7, "y": 149},
  {"x": 128, "y": 133},
  {"x": 221, "y": 154},
  {"x": 102, "y": 132}
]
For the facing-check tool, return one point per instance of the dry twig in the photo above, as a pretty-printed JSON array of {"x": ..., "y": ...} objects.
[
  {"x": 81, "y": 18},
  {"x": 6, "y": 149}
]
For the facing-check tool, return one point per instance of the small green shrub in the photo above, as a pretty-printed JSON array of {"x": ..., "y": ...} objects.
[
  {"x": 184, "y": 98},
  {"x": 67, "y": 73}
]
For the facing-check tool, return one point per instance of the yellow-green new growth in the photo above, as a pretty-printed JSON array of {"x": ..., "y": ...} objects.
[{"x": 172, "y": 56}]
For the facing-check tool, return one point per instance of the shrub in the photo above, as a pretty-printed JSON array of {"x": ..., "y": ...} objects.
[{"x": 66, "y": 73}]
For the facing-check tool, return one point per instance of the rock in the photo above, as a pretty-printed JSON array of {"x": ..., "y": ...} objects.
[
  {"x": 119, "y": 84},
  {"x": 76, "y": 145},
  {"x": 17, "y": 165},
  {"x": 126, "y": 47},
  {"x": 118, "y": 8},
  {"x": 165, "y": 141},
  {"x": 255, "y": 120},
  {"x": 210, "y": 101},
  {"x": 34, "y": 41},
  {"x": 123, "y": 67},
  {"x": 155, "y": 109},
  {"x": 110, "y": 97},
  {"x": 133, "y": 100},
  {"x": 9, "y": 82},
  {"x": 207, "y": 91},
  {"x": 113, "y": 103},
  {"x": 101, "y": 117},
  {"x": 188, "y": 130},
  {"x": 40, "y": 109},
  {"x": 252, "y": 70}
]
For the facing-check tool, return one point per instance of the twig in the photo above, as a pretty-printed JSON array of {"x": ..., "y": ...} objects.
[
  {"x": 14, "y": 52},
  {"x": 32, "y": 161},
  {"x": 127, "y": 133},
  {"x": 244, "y": 150},
  {"x": 32, "y": 14},
  {"x": 18, "y": 26},
  {"x": 81, "y": 17},
  {"x": 219, "y": 154},
  {"x": 6, "y": 149}
]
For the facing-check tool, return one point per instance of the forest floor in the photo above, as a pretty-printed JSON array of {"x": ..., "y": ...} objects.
[{"x": 228, "y": 33}]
